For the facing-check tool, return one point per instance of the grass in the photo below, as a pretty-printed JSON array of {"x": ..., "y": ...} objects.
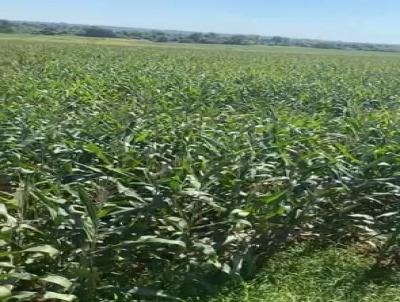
[{"x": 334, "y": 275}]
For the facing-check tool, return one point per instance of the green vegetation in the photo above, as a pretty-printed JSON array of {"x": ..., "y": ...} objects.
[
  {"x": 164, "y": 173},
  {"x": 51, "y": 29},
  {"x": 335, "y": 275}
]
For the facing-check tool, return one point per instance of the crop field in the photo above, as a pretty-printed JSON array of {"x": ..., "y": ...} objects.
[{"x": 147, "y": 172}]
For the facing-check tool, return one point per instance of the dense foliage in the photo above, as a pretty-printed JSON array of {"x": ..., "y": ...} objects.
[
  {"x": 42, "y": 28},
  {"x": 161, "y": 171}
]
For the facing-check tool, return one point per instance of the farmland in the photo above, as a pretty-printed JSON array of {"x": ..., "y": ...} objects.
[{"x": 134, "y": 170}]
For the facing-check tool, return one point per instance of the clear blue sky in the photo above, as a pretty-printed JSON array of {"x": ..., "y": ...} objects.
[{"x": 347, "y": 20}]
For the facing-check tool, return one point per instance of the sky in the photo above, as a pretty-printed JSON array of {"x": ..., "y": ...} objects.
[{"x": 345, "y": 20}]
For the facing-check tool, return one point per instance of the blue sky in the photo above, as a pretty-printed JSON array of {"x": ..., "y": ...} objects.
[{"x": 347, "y": 20}]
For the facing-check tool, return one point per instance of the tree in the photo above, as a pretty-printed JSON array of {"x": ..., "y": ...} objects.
[
  {"x": 211, "y": 38},
  {"x": 48, "y": 30},
  {"x": 98, "y": 32},
  {"x": 6, "y": 26},
  {"x": 195, "y": 37},
  {"x": 159, "y": 36},
  {"x": 135, "y": 34},
  {"x": 237, "y": 40}
]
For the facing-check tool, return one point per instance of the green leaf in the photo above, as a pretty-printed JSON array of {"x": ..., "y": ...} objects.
[
  {"x": 389, "y": 214},
  {"x": 23, "y": 276},
  {"x": 128, "y": 192},
  {"x": 362, "y": 216},
  {"x": 7, "y": 265},
  {"x": 29, "y": 227},
  {"x": 62, "y": 297},
  {"x": 93, "y": 148},
  {"x": 230, "y": 239},
  {"x": 24, "y": 296},
  {"x": 274, "y": 197},
  {"x": 155, "y": 240},
  {"x": 44, "y": 249},
  {"x": 142, "y": 137},
  {"x": 206, "y": 248},
  {"x": 195, "y": 184},
  {"x": 5, "y": 292},
  {"x": 345, "y": 151},
  {"x": 226, "y": 269},
  {"x": 10, "y": 220},
  {"x": 240, "y": 213},
  {"x": 59, "y": 280}
]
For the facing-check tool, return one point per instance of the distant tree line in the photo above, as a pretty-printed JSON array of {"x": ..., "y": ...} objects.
[
  {"x": 6, "y": 27},
  {"x": 179, "y": 36}
]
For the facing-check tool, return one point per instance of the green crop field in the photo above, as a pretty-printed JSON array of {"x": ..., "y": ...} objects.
[{"x": 136, "y": 170}]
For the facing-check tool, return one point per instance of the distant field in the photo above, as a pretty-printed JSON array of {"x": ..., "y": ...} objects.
[
  {"x": 131, "y": 42},
  {"x": 138, "y": 170}
]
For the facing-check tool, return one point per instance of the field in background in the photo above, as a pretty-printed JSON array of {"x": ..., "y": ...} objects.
[
  {"x": 133, "y": 43},
  {"x": 132, "y": 169},
  {"x": 168, "y": 36}
]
